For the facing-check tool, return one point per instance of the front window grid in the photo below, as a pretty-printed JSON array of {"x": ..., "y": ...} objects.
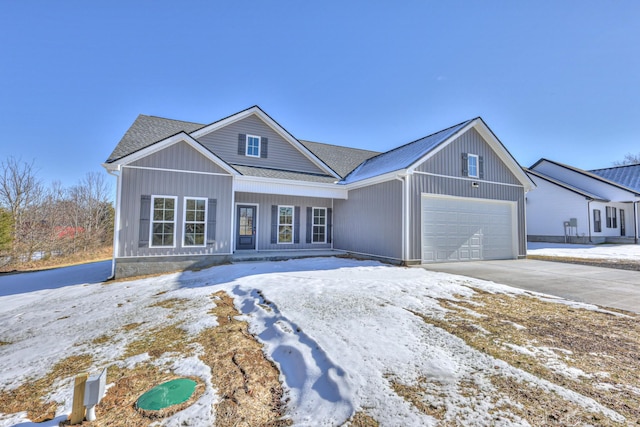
[
  {"x": 472, "y": 163},
  {"x": 163, "y": 221},
  {"x": 285, "y": 224},
  {"x": 319, "y": 225},
  {"x": 195, "y": 220},
  {"x": 253, "y": 146}
]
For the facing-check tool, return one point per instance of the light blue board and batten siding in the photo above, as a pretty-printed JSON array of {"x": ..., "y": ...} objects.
[
  {"x": 370, "y": 221},
  {"x": 139, "y": 182},
  {"x": 448, "y": 161},
  {"x": 281, "y": 154},
  {"x": 180, "y": 156},
  {"x": 264, "y": 226}
]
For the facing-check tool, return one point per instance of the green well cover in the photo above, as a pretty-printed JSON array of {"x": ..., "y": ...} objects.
[{"x": 167, "y": 394}]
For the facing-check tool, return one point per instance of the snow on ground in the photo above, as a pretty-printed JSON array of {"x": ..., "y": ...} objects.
[
  {"x": 339, "y": 330},
  {"x": 608, "y": 252}
]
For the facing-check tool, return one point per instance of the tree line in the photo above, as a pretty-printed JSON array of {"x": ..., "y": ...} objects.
[{"x": 39, "y": 222}]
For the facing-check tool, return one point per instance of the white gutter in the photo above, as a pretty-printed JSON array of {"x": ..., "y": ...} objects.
[{"x": 116, "y": 221}]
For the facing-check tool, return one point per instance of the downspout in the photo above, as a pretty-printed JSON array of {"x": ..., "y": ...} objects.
[
  {"x": 116, "y": 221},
  {"x": 405, "y": 216},
  {"x": 635, "y": 221},
  {"x": 333, "y": 212},
  {"x": 589, "y": 217}
]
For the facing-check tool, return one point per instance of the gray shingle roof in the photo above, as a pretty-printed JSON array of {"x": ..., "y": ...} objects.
[
  {"x": 403, "y": 156},
  {"x": 281, "y": 174},
  {"x": 628, "y": 175},
  {"x": 341, "y": 159},
  {"x": 146, "y": 130}
]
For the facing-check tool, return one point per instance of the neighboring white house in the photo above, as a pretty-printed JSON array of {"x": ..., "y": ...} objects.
[{"x": 577, "y": 206}]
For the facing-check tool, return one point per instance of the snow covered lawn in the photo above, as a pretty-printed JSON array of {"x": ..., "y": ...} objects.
[
  {"x": 353, "y": 340},
  {"x": 614, "y": 253}
]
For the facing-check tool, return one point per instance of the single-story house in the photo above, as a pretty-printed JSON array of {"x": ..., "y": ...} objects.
[
  {"x": 192, "y": 195},
  {"x": 578, "y": 206}
]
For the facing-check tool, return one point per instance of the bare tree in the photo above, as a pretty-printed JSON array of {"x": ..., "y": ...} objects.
[
  {"x": 21, "y": 193},
  {"x": 629, "y": 159}
]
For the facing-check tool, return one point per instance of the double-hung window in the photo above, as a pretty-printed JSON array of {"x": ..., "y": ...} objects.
[
  {"x": 612, "y": 220},
  {"x": 472, "y": 165},
  {"x": 163, "y": 221},
  {"x": 597, "y": 221},
  {"x": 195, "y": 215},
  {"x": 253, "y": 146},
  {"x": 319, "y": 225},
  {"x": 285, "y": 224}
]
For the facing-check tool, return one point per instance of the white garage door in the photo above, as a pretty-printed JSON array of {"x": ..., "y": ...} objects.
[{"x": 466, "y": 229}]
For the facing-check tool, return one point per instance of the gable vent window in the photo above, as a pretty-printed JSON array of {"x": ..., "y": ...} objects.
[
  {"x": 253, "y": 146},
  {"x": 472, "y": 165}
]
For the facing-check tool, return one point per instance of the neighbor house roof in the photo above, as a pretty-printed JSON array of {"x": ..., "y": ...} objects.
[
  {"x": 566, "y": 186},
  {"x": 402, "y": 157},
  {"x": 592, "y": 175},
  {"x": 341, "y": 159},
  {"x": 627, "y": 175}
]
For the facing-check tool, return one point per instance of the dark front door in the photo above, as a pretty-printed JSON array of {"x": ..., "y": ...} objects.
[
  {"x": 623, "y": 229},
  {"x": 246, "y": 227}
]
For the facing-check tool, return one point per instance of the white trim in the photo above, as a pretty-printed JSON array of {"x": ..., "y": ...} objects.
[
  {"x": 253, "y": 184},
  {"x": 168, "y": 142},
  {"x": 407, "y": 216},
  {"x": 246, "y": 145},
  {"x": 257, "y": 111},
  {"x": 233, "y": 216},
  {"x": 389, "y": 176},
  {"x": 175, "y": 170},
  {"x": 469, "y": 157},
  {"x": 255, "y": 221},
  {"x": 313, "y": 224},
  {"x": 175, "y": 220},
  {"x": 293, "y": 225},
  {"x": 468, "y": 179},
  {"x": 184, "y": 221}
]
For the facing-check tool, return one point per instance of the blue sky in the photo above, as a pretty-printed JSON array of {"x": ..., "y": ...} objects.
[{"x": 554, "y": 79}]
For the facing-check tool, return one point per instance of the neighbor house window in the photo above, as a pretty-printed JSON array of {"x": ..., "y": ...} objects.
[
  {"x": 319, "y": 227},
  {"x": 163, "y": 221},
  {"x": 597, "y": 221},
  {"x": 612, "y": 220},
  {"x": 472, "y": 168},
  {"x": 285, "y": 224},
  {"x": 195, "y": 214},
  {"x": 253, "y": 146}
]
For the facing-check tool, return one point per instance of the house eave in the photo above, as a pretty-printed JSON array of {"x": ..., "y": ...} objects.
[{"x": 253, "y": 184}]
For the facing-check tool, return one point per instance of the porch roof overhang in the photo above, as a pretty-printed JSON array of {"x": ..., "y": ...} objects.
[{"x": 253, "y": 184}]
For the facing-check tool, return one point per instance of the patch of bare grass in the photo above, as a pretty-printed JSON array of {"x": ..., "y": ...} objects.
[
  {"x": 360, "y": 419},
  {"x": 247, "y": 382},
  {"x": 172, "y": 303},
  {"x": 158, "y": 341},
  {"x": 592, "y": 353},
  {"x": 596, "y": 262},
  {"x": 30, "y": 396},
  {"x": 418, "y": 396}
]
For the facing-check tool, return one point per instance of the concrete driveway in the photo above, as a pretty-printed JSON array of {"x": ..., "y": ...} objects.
[{"x": 606, "y": 287}]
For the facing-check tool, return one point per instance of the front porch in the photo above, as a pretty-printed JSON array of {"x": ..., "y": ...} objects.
[{"x": 249, "y": 256}]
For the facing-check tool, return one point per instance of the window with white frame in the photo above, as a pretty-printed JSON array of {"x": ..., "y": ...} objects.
[
  {"x": 285, "y": 224},
  {"x": 472, "y": 165},
  {"x": 612, "y": 219},
  {"x": 319, "y": 226},
  {"x": 597, "y": 221},
  {"x": 195, "y": 221},
  {"x": 253, "y": 146},
  {"x": 163, "y": 221}
]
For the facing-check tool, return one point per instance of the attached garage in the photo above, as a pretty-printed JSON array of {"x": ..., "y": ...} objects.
[{"x": 467, "y": 229}]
